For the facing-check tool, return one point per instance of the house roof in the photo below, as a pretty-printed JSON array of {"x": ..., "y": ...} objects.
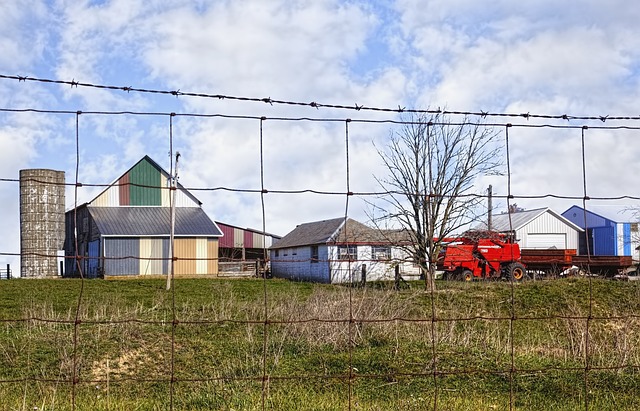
[
  {"x": 501, "y": 223},
  {"x": 335, "y": 230},
  {"x": 153, "y": 221},
  {"x": 317, "y": 232}
]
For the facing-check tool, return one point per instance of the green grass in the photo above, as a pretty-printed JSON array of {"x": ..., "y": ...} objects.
[{"x": 126, "y": 344}]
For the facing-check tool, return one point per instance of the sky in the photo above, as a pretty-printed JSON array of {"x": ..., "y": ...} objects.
[{"x": 537, "y": 57}]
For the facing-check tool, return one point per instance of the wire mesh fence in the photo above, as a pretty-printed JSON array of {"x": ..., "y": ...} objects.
[{"x": 267, "y": 344}]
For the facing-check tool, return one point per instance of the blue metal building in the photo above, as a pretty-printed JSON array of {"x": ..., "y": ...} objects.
[{"x": 603, "y": 235}]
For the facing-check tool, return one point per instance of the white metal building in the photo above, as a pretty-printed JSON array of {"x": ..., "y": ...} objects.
[{"x": 541, "y": 228}]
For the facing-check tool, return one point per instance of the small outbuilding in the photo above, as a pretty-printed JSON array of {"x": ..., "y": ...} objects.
[
  {"x": 243, "y": 244},
  {"x": 541, "y": 228},
  {"x": 340, "y": 250},
  {"x": 605, "y": 235}
]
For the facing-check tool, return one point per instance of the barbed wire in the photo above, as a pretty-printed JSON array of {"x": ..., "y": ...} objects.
[{"x": 317, "y": 105}]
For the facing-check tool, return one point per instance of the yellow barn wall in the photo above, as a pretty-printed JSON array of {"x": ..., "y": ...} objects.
[
  {"x": 201, "y": 255},
  {"x": 212, "y": 253},
  {"x": 185, "y": 251}
]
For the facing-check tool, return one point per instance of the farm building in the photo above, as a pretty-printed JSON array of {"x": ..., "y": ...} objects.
[
  {"x": 606, "y": 235},
  {"x": 125, "y": 230},
  {"x": 540, "y": 228},
  {"x": 339, "y": 251},
  {"x": 243, "y": 243}
]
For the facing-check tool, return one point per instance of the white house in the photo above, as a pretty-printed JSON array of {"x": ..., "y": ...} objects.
[
  {"x": 339, "y": 251},
  {"x": 541, "y": 228}
]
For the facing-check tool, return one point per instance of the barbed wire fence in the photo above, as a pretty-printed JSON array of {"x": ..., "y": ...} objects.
[{"x": 354, "y": 318}]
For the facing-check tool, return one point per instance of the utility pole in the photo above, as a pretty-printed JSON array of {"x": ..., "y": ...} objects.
[
  {"x": 172, "y": 212},
  {"x": 490, "y": 206}
]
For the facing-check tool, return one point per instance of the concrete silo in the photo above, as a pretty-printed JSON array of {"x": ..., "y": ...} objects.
[{"x": 41, "y": 221}]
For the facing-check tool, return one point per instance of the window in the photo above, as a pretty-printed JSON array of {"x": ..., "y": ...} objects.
[
  {"x": 634, "y": 227},
  {"x": 380, "y": 252},
  {"x": 277, "y": 253},
  {"x": 347, "y": 252},
  {"x": 314, "y": 254},
  {"x": 285, "y": 252},
  {"x": 294, "y": 251}
]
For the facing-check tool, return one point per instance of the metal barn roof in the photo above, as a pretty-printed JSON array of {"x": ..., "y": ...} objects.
[
  {"x": 153, "y": 221},
  {"x": 613, "y": 213},
  {"x": 501, "y": 223}
]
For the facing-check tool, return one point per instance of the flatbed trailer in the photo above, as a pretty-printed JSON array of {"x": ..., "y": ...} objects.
[
  {"x": 608, "y": 265},
  {"x": 547, "y": 260},
  {"x": 559, "y": 261}
]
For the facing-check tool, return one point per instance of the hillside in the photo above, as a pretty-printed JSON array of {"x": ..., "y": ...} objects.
[{"x": 494, "y": 345}]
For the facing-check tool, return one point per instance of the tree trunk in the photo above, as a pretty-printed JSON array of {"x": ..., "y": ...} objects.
[{"x": 429, "y": 273}]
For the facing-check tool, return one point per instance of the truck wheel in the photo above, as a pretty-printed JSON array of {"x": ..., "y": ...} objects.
[
  {"x": 516, "y": 271},
  {"x": 467, "y": 276}
]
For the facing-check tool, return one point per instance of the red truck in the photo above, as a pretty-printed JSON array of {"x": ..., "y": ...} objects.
[{"x": 481, "y": 254}]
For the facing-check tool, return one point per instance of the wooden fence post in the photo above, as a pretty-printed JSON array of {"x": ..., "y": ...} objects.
[{"x": 396, "y": 284}]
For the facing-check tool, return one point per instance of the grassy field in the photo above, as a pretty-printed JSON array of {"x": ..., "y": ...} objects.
[{"x": 570, "y": 344}]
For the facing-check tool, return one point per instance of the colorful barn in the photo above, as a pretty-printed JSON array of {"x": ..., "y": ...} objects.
[{"x": 125, "y": 230}]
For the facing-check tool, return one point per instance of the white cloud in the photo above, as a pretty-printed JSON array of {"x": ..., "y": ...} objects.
[
  {"x": 460, "y": 54},
  {"x": 19, "y": 51},
  {"x": 257, "y": 48}
]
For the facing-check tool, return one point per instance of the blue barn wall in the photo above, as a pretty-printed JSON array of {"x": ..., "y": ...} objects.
[
  {"x": 606, "y": 236},
  {"x": 604, "y": 241},
  {"x": 626, "y": 239},
  {"x": 93, "y": 263},
  {"x": 121, "y": 256}
]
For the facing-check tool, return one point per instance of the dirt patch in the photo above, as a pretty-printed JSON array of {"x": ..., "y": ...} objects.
[{"x": 128, "y": 363}]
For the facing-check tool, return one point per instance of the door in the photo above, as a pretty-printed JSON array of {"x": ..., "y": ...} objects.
[{"x": 546, "y": 241}]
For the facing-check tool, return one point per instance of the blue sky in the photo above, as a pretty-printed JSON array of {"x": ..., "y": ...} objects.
[{"x": 578, "y": 58}]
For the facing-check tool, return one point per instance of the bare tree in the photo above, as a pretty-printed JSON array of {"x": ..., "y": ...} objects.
[{"x": 432, "y": 165}]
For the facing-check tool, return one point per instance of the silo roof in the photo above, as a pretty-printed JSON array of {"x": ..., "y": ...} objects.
[{"x": 153, "y": 221}]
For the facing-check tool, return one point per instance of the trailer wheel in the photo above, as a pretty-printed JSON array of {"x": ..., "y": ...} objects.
[
  {"x": 467, "y": 276},
  {"x": 516, "y": 271}
]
